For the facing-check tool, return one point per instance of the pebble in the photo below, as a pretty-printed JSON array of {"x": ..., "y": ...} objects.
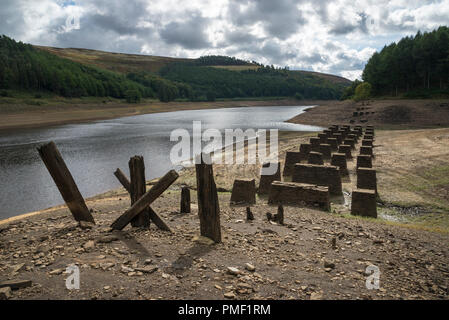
[
  {"x": 234, "y": 271},
  {"x": 250, "y": 267}
]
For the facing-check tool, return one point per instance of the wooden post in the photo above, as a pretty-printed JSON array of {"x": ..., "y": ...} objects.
[
  {"x": 63, "y": 179},
  {"x": 152, "y": 214},
  {"x": 280, "y": 214},
  {"x": 185, "y": 200},
  {"x": 208, "y": 206},
  {"x": 123, "y": 179},
  {"x": 249, "y": 214},
  {"x": 144, "y": 201},
  {"x": 138, "y": 189}
]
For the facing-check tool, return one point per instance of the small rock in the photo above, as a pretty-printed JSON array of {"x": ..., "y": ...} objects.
[
  {"x": 203, "y": 240},
  {"x": 329, "y": 264},
  {"x": 107, "y": 239},
  {"x": 250, "y": 267},
  {"x": 316, "y": 296},
  {"x": 56, "y": 272},
  {"x": 148, "y": 261},
  {"x": 147, "y": 269},
  {"x": 89, "y": 245},
  {"x": 229, "y": 295},
  {"x": 5, "y": 293},
  {"x": 233, "y": 271},
  {"x": 85, "y": 225}
]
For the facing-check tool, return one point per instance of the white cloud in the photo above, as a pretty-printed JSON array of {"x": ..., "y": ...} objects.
[{"x": 336, "y": 37}]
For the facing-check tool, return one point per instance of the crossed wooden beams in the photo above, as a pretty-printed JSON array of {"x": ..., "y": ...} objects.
[
  {"x": 147, "y": 213},
  {"x": 140, "y": 213}
]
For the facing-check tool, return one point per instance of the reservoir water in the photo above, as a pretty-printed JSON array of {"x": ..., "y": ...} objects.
[{"x": 92, "y": 151}]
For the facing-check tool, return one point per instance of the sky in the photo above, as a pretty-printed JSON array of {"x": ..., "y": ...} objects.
[{"x": 336, "y": 37}]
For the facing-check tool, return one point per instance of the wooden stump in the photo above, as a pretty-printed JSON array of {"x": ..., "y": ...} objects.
[
  {"x": 185, "y": 200},
  {"x": 63, "y": 179},
  {"x": 267, "y": 179},
  {"x": 249, "y": 214},
  {"x": 208, "y": 206},
  {"x": 280, "y": 214},
  {"x": 137, "y": 189},
  {"x": 243, "y": 191}
]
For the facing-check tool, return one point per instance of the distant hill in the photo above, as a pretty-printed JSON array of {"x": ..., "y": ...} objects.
[
  {"x": 82, "y": 72},
  {"x": 126, "y": 63},
  {"x": 118, "y": 62}
]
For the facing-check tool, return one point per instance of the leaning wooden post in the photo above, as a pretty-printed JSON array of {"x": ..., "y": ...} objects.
[
  {"x": 63, "y": 179},
  {"x": 208, "y": 207},
  {"x": 152, "y": 214},
  {"x": 138, "y": 189},
  {"x": 123, "y": 179},
  {"x": 148, "y": 198},
  {"x": 185, "y": 200}
]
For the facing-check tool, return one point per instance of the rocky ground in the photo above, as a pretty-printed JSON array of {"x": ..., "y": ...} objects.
[
  {"x": 314, "y": 255},
  {"x": 386, "y": 114}
]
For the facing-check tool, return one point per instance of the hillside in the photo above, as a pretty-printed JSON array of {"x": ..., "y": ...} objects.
[
  {"x": 117, "y": 62},
  {"x": 75, "y": 73},
  {"x": 126, "y": 63}
]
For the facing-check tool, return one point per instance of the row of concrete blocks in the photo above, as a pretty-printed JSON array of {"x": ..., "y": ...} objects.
[{"x": 363, "y": 199}]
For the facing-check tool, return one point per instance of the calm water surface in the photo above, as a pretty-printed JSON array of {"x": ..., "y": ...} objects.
[{"x": 93, "y": 151}]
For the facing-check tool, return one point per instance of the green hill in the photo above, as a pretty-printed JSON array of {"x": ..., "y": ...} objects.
[{"x": 81, "y": 72}]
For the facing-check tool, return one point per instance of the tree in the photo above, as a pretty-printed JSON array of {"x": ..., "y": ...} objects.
[
  {"x": 362, "y": 91},
  {"x": 132, "y": 96}
]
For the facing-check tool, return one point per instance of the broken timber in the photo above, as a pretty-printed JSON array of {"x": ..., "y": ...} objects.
[
  {"x": 208, "y": 206},
  {"x": 185, "y": 200},
  {"x": 152, "y": 214},
  {"x": 63, "y": 179},
  {"x": 138, "y": 189},
  {"x": 144, "y": 201}
]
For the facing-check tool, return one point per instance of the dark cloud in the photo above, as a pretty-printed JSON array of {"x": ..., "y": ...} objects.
[
  {"x": 343, "y": 26},
  {"x": 189, "y": 34},
  {"x": 279, "y": 18}
]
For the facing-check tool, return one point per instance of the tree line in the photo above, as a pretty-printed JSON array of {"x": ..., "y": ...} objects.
[
  {"x": 25, "y": 67},
  {"x": 414, "y": 66}
]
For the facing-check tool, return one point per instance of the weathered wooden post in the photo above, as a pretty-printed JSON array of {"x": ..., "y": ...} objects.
[
  {"x": 152, "y": 214},
  {"x": 144, "y": 201},
  {"x": 280, "y": 214},
  {"x": 249, "y": 214},
  {"x": 138, "y": 189},
  {"x": 208, "y": 206},
  {"x": 123, "y": 179},
  {"x": 185, "y": 200},
  {"x": 63, "y": 179}
]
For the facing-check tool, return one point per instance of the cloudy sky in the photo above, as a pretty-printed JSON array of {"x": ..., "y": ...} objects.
[{"x": 327, "y": 36}]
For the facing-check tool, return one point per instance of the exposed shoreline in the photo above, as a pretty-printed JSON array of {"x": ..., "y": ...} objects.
[{"x": 10, "y": 121}]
